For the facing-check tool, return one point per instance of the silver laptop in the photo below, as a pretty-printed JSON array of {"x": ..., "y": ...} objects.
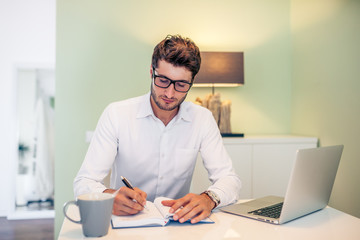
[{"x": 309, "y": 188}]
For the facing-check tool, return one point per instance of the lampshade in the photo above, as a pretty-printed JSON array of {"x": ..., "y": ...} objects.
[{"x": 220, "y": 69}]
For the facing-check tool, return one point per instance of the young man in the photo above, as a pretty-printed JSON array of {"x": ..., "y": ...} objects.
[{"x": 154, "y": 140}]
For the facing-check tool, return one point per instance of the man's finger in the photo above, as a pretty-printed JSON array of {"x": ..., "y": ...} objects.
[
  {"x": 187, "y": 212},
  {"x": 180, "y": 203},
  {"x": 124, "y": 201},
  {"x": 139, "y": 196}
]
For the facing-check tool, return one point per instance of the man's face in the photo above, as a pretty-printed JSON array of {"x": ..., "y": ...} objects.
[{"x": 169, "y": 99}]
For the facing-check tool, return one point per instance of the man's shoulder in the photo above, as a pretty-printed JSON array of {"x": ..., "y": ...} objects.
[
  {"x": 126, "y": 108},
  {"x": 130, "y": 102},
  {"x": 201, "y": 118},
  {"x": 196, "y": 113},
  {"x": 196, "y": 109}
]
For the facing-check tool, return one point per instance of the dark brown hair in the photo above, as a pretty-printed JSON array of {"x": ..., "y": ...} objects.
[{"x": 178, "y": 51}]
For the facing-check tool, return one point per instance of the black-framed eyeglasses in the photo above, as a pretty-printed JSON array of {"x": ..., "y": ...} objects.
[{"x": 164, "y": 82}]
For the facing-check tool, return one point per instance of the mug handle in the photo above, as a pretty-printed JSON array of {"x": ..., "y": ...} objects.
[{"x": 65, "y": 207}]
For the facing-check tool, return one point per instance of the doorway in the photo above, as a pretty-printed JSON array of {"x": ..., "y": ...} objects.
[{"x": 34, "y": 181}]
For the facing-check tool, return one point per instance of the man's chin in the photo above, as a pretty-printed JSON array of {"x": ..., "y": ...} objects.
[{"x": 168, "y": 107}]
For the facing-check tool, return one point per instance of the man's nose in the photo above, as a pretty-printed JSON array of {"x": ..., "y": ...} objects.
[{"x": 170, "y": 91}]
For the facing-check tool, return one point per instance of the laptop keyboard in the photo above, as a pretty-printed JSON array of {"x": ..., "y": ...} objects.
[{"x": 271, "y": 211}]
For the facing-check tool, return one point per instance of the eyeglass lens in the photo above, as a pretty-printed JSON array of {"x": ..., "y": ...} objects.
[{"x": 165, "y": 83}]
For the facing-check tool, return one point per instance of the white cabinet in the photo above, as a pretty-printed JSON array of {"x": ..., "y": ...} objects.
[{"x": 263, "y": 163}]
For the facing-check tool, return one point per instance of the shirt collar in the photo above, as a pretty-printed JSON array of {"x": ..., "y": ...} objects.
[{"x": 146, "y": 110}]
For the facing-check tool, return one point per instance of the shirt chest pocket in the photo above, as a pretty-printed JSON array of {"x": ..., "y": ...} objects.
[{"x": 185, "y": 160}]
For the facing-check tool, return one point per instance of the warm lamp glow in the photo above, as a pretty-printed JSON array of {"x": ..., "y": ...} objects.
[{"x": 220, "y": 69}]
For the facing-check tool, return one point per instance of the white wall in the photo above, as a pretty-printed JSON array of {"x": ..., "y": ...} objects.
[
  {"x": 325, "y": 95},
  {"x": 27, "y": 37}
]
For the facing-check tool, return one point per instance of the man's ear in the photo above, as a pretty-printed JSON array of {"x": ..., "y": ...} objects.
[{"x": 151, "y": 71}]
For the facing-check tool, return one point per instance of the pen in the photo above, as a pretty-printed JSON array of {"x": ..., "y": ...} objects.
[{"x": 128, "y": 184}]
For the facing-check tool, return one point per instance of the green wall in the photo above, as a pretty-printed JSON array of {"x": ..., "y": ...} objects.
[
  {"x": 326, "y": 86},
  {"x": 104, "y": 50}
]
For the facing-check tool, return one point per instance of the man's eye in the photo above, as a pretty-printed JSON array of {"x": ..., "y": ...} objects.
[
  {"x": 180, "y": 84},
  {"x": 163, "y": 80}
]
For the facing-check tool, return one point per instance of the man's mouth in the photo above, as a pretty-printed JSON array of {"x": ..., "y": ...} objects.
[{"x": 168, "y": 100}]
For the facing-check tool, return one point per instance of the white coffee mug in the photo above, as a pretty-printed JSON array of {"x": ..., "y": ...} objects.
[{"x": 95, "y": 213}]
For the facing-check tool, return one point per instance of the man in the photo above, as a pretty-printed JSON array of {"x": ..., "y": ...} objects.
[{"x": 154, "y": 140}]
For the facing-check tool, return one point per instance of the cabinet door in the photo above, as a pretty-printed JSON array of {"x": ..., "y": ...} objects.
[
  {"x": 241, "y": 158},
  {"x": 272, "y": 165}
]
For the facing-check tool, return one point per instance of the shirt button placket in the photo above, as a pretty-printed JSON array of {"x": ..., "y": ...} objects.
[{"x": 162, "y": 163}]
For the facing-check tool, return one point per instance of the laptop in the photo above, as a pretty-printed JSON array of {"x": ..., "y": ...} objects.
[{"x": 308, "y": 190}]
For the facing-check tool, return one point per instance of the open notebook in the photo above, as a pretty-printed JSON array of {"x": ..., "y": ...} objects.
[{"x": 156, "y": 215}]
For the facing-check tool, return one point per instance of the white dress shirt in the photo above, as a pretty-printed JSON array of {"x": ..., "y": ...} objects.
[{"x": 131, "y": 141}]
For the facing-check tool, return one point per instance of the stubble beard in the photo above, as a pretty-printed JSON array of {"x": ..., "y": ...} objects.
[{"x": 165, "y": 106}]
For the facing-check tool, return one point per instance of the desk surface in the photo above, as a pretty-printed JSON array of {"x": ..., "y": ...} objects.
[{"x": 328, "y": 223}]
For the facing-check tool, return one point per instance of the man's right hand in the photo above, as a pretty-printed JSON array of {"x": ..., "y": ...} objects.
[{"x": 128, "y": 201}]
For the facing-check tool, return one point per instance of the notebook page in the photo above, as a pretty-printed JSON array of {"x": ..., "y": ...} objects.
[
  {"x": 147, "y": 217},
  {"x": 164, "y": 210}
]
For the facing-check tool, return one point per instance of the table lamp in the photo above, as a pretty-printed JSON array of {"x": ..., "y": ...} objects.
[{"x": 220, "y": 69}]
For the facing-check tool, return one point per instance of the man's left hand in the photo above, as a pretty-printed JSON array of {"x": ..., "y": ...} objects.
[{"x": 191, "y": 206}]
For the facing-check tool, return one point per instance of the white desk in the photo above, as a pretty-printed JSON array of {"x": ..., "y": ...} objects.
[{"x": 328, "y": 223}]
